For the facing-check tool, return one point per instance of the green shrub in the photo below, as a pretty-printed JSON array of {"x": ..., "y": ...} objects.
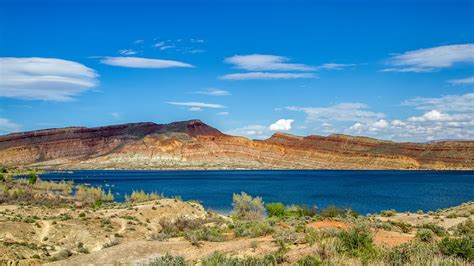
[
  {"x": 168, "y": 260},
  {"x": 301, "y": 211},
  {"x": 357, "y": 242},
  {"x": 425, "y": 235},
  {"x": 459, "y": 247},
  {"x": 332, "y": 211},
  {"x": 218, "y": 259},
  {"x": 245, "y": 207},
  {"x": 465, "y": 228},
  {"x": 276, "y": 209},
  {"x": 32, "y": 178},
  {"x": 252, "y": 229},
  {"x": 437, "y": 229},
  {"x": 308, "y": 260},
  {"x": 404, "y": 227},
  {"x": 205, "y": 233},
  {"x": 388, "y": 213}
]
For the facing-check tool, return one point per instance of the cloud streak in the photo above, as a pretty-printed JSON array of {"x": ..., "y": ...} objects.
[
  {"x": 431, "y": 59},
  {"x": 7, "y": 126},
  {"x": 197, "y": 104},
  {"x": 50, "y": 79},
  {"x": 138, "y": 62},
  {"x": 266, "y": 76},
  {"x": 261, "y": 62}
]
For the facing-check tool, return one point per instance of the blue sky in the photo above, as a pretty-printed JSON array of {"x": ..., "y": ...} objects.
[{"x": 397, "y": 70}]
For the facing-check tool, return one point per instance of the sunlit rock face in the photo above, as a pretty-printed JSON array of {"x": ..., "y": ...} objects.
[{"x": 195, "y": 145}]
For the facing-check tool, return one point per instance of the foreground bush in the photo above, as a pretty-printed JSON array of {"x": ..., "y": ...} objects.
[
  {"x": 357, "y": 242},
  {"x": 459, "y": 247},
  {"x": 276, "y": 209},
  {"x": 308, "y": 260},
  {"x": 245, "y": 207},
  {"x": 252, "y": 229},
  {"x": 425, "y": 235},
  {"x": 168, "y": 260},
  {"x": 217, "y": 259},
  {"x": 205, "y": 233}
]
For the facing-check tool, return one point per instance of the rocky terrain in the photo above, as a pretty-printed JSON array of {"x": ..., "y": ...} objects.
[
  {"x": 166, "y": 231},
  {"x": 195, "y": 145}
]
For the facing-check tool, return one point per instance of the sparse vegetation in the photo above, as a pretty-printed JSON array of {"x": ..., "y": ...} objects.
[
  {"x": 142, "y": 196},
  {"x": 246, "y": 207}
]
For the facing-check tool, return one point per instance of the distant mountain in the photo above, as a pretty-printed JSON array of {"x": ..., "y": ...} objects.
[{"x": 195, "y": 145}]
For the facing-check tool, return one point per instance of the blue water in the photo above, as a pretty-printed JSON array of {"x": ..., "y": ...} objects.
[{"x": 363, "y": 191}]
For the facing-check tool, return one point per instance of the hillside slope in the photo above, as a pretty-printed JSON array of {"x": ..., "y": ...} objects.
[{"x": 195, "y": 145}]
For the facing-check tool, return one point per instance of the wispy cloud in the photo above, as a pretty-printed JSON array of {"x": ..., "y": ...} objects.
[
  {"x": 468, "y": 80},
  {"x": 223, "y": 113},
  {"x": 281, "y": 125},
  {"x": 197, "y": 104},
  {"x": 431, "y": 59},
  {"x": 7, "y": 126},
  {"x": 251, "y": 131},
  {"x": 338, "y": 112},
  {"x": 449, "y": 103},
  {"x": 138, "y": 41},
  {"x": 51, "y": 79},
  {"x": 214, "y": 92},
  {"x": 261, "y": 62},
  {"x": 127, "y": 52},
  {"x": 334, "y": 66},
  {"x": 138, "y": 62},
  {"x": 266, "y": 76}
]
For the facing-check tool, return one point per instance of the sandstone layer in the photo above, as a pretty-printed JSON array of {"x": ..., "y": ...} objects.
[{"x": 195, "y": 145}]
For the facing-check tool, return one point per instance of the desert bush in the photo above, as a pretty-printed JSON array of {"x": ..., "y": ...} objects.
[
  {"x": 357, "y": 241},
  {"x": 142, "y": 196},
  {"x": 276, "y": 209},
  {"x": 245, "y": 207},
  {"x": 332, "y": 211},
  {"x": 90, "y": 195},
  {"x": 217, "y": 259},
  {"x": 205, "y": 233},
  {"x": 285, "y": 237},
  {"x": 388, "y": 213},
  {"x": 415, "y": 253},
  {"x": 301, "y": 211},
  {"x": 437, "y": 229},
  {"x": 404, "y": 227},
  {"x": 308, "y": 260},
  {"x": 460, "y": 247},
  {"x": 168, "y": 260},
  {"x": 252, "y": 228},
  {"x": 425, "y": 235},
  {"x": 32, "y": 178},
  {"x": 465, "y": 228},
  {"x": 311, "y": 236}
]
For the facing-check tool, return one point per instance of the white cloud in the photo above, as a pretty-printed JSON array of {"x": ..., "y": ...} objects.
[
  {"x": 223, "y": 113},
  {"x": 159, "y": 44},
  {"x": 196, "y": 40},
  {"x": 138, "y": 41},
  {"x": 127, "y": 52},
  {"x": 251, "y": 131},
  {"x": 195, "y": 109},
  {"x": 137, "y": 62},
  {"x": 430, "y": 59},
  {"x": 115, "y": 115},
  {"x": 266, "y": 75},
  {"x": 166, "y": 47},
  {"x": 334, "y": 66},
  {"x": 7, "y": 126},
  {"x": 36, "y": 78},
  {"x": 281, "y": 125},
  {"x": 214, "y": 92},
  {"x": 260, "y": 62},
  {"x": 455, "y": 103},
  {"x": 338, "y": 112},
  {"x": 468, "y": 80},
  {"x": 197, "y": 104}
]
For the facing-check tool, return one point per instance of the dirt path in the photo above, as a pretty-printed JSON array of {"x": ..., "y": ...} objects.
[{"x": 45, "y": 228}]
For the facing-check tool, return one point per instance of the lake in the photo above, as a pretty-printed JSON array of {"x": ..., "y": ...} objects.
[{"x": 363, "y": 191}]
